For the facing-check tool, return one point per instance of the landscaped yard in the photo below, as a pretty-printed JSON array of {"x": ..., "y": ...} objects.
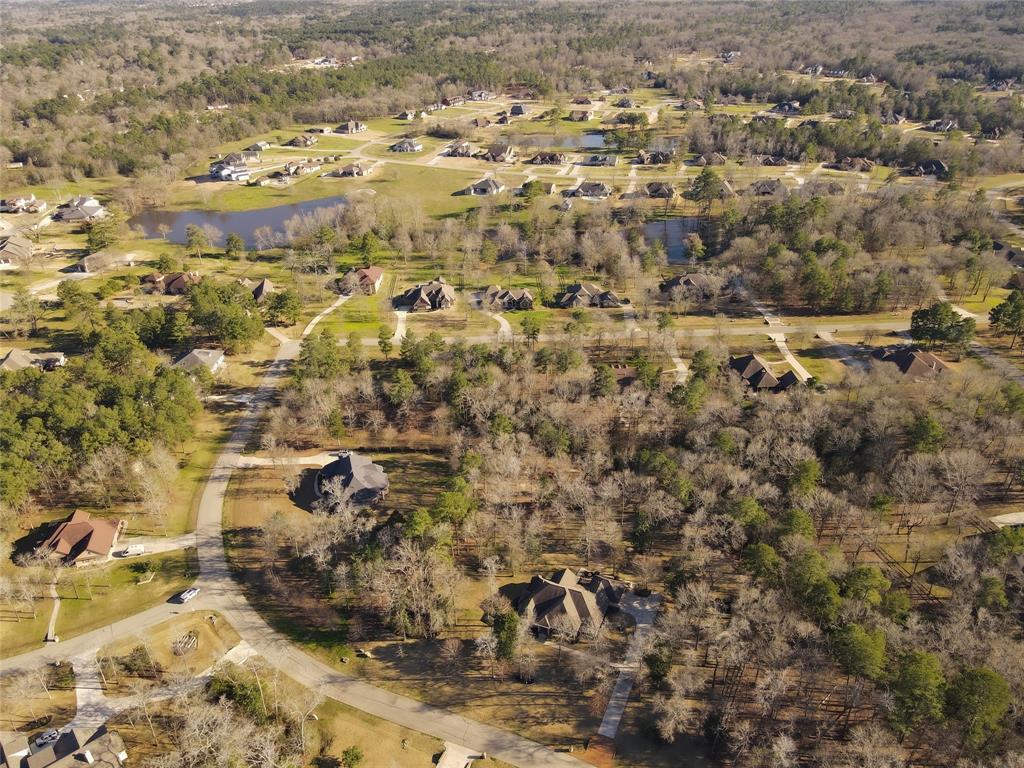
[{"x": 214, "y": 636}]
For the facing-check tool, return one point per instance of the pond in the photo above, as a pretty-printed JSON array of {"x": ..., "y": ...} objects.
[
  {"x": 672, "y": 233},
  {"x": 560, "y": 140},
  {"x": 244, "y": 223}
]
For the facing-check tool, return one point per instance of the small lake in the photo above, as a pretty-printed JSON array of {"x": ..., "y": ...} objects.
[
  {"x": 560, "y": 140},
  {"x": 672, "y": 234},
  {"x": 245, "y": 223}
]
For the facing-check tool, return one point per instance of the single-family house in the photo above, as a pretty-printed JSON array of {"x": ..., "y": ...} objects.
[
  {"x": 460, "y": 149},
  {"x": 22, "y": 204},
  {"x": 584, "y": 101},
  {"x": 210, "y": 359},
  {"x": 407, "y": 145},
  {"x": 655, "y": 157},
  {"x": 568, "y": 604},
  {"x": 787, "y": 108},
  {"x": 226, "y": 171},
  {"x": 766, "y": 188},
  {"x": 912, "y": 362},
  {"x": 262, "y": 289},
  {"x": 692, "y": 105},
  {"x": 854, "y": 165},
  {"x": 587, "y": 295},
  {"x": 499, "y": 153},
  {"x": 81, "y": 208},
  {"x": 366, "y": 280},
  {"x": 660, "y": 190},
  {"x": 351, "y": 126},
  {"x": 15, "y": 249},
  {"x": 322, "y": 129},
  {"x": 602, "y": 161},
  {"x": 770, "y": 161},
  {"x": 498, "y": 299},
  {"x": 1014, "y": 255},
  {"x": 942, "y": 126},
  {"x": 301, "y": 168},
  {"x": 453, "y": 101},
  {"x": 97, "y": 262},
  {"x": 82, "y": 539},
  {"x": 627, "y": 103},
  {"x": 710, "y": 158},
  {"x": 353, "y": 477},
  {"x": 94, "y": 747},
  {"x": 409, "y": 114},
  {"x": 258, "y": 147},
  {"x": 353, "y": 169},
  {"x": 486, "y": 187},
  {"x": 427, "y": 297},
  {"x": 480, "y": 122},
  {"x": 548, "y": 158},
  {"x": 519, "y": 110},
  {"x": 581, "y": 115},
  {"x": 177, "y": 283},
  {"x": 935, "y": 168},
  {"x": 16, "y": 359},
  {"x": 758, "y": 375},
  {"x": 303, "y": 141},
  {"x": 595, "y": 190},
  {"x": 481, "y": 95},
  {"x": 696, "y": 285},
  {"x": 893, "y": 118}
]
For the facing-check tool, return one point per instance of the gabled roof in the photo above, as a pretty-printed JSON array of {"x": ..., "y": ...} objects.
[
  {"x": 262, "y": 288},
  {"x": 210, "y": 359},
  {"x": 756, "y": 372},
  {"x": 15, "y": 247},
  {"x": 913, "y": 362},
  {"x": 435, "y": 294},
  {"x": 82, "y": 534},
  {"x": 17, "y": 359},
  {"x": 369, "y": 274},
  {"x": 569, "y": 599}
]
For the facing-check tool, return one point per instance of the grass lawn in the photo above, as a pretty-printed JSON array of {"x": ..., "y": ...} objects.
[
  {"x": 117, "y": 591},
  {"x": 215, "y": 638},
  {"x": 459, "y": 320},
  {"x": 37, "y": 699},
  {"x": 980, "y": 304},
  {"x": 362, "y": 315},
  {"x": 820, "y": 359}
]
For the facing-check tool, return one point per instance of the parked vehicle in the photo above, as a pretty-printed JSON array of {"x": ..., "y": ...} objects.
[
  {"x": 134, "y": 550},
  {"x": 188, "y": 594},
  {"x": 47, "y": 738}
]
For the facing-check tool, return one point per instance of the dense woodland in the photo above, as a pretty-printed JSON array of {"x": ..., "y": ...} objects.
[{"x": 760, "y": 515}]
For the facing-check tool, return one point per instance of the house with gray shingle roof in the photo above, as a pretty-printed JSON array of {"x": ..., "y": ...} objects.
[
  {"x": 567, "y": 602},
  {"x": 355, "y": 477}
]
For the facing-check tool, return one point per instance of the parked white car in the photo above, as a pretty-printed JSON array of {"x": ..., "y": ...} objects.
[
  {"x": 188, "y": 594},
  {"x": 47, "y": 738},
  {"x": 133, "y": 550}
]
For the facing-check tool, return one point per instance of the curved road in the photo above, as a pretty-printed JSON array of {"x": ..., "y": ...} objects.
[{"x": 221, "y": 593}]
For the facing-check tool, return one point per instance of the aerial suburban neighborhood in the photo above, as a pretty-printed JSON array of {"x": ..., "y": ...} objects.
[{"x": 513, "y": 384}]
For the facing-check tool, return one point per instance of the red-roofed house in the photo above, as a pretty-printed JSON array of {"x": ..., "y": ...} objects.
[{"x": 82, "y": 539}]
